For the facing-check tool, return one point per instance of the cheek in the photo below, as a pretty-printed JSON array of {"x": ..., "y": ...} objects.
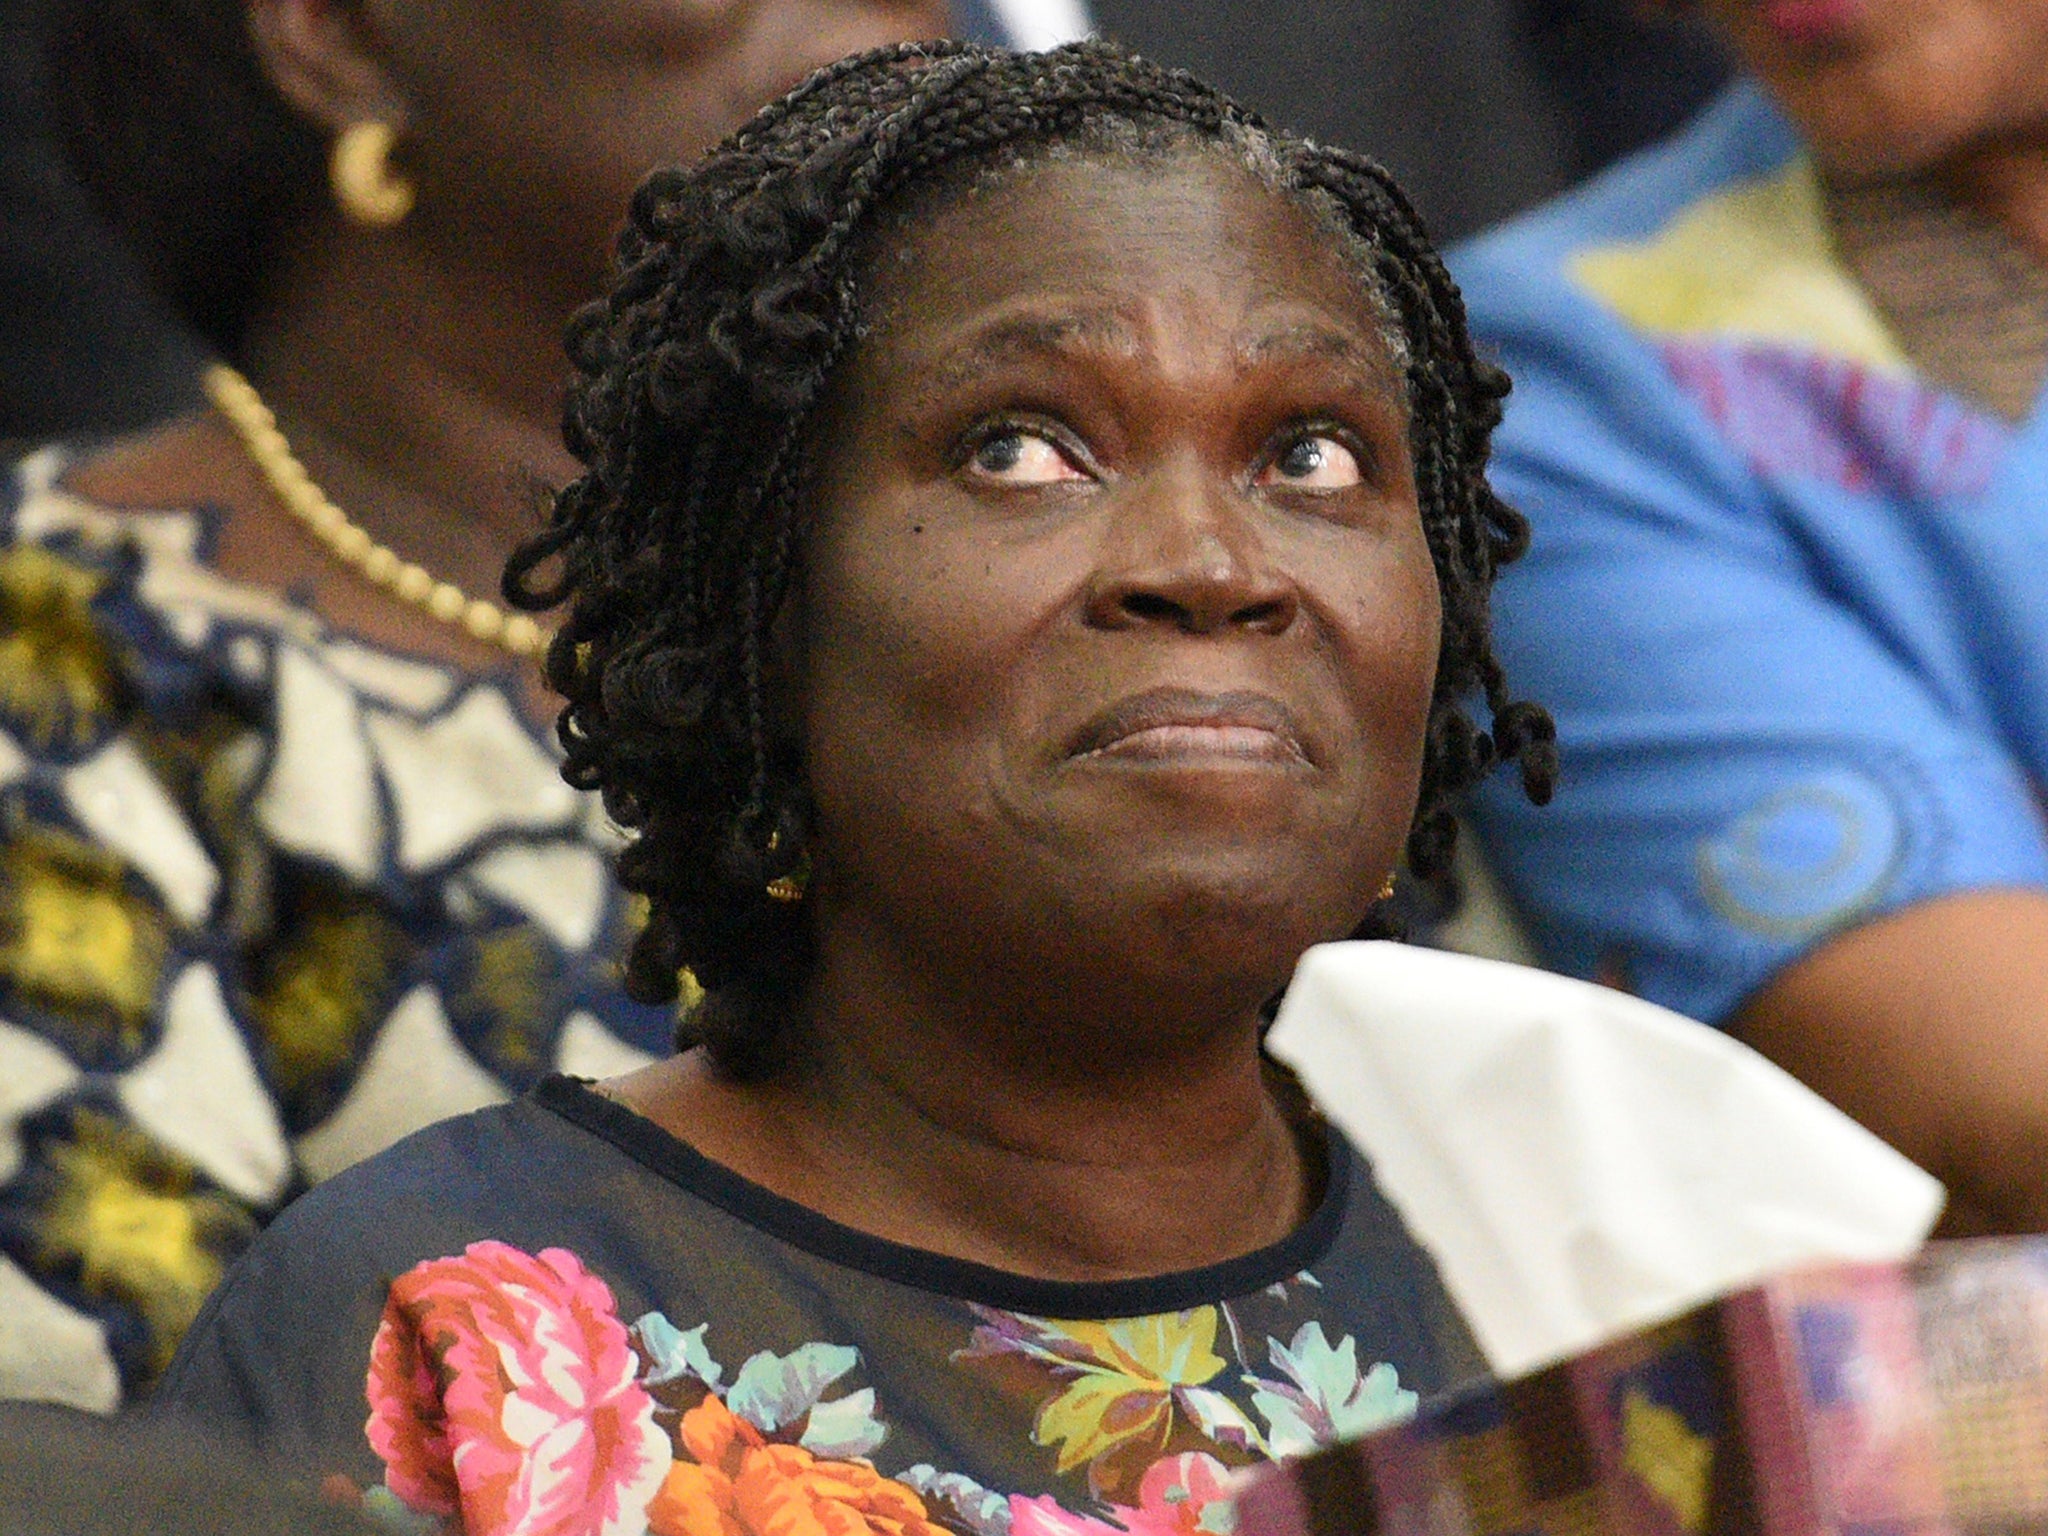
[
  {"x": 1415, "y": 679},
  {"x": 1392, "y": 668},
  {"x": 1395, "y": 644},
  {"x": 915, "y": 649}
]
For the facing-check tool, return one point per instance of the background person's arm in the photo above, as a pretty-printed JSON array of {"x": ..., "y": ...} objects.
[
  {"x": 1930, "y": 1025},
  {"x": 1794, "y": 799}
]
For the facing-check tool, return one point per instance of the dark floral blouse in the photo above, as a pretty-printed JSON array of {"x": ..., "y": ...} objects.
[
  {"x": 270, "y": 899},
  {"x": 553, "y": 1317}
]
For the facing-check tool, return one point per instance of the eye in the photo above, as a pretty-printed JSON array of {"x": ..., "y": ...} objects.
[
  {"x": 1018, "y": 456},
  {"x": 1313, "y": 461}
]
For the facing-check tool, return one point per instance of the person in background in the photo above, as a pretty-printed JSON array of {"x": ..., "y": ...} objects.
[
  {"x": 1028, "y": 583},
  {"x": 85, "y": 348},
  {"x": 1776, "y": 424},
  {"x": 1481, "y": 107},
  {"x": 286, "y": 866}
]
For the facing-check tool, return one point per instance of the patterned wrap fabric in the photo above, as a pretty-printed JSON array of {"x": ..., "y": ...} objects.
[{"x": 270, "y": 899}]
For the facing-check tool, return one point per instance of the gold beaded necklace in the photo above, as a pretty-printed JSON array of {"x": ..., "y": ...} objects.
[{"x": 236, "y": 399}]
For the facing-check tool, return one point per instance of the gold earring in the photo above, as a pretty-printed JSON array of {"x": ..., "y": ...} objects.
[
  {"x": 360, "y": 173},
  {"x": 789, "y": 887},
  {"x": 1387, "y": 890}
]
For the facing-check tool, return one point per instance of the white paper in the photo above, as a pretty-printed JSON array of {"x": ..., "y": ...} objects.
[{"x": 1579, "y": 1162}]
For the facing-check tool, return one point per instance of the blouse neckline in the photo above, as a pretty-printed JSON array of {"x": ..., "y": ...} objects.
[{"x": 963, "y": 1280}]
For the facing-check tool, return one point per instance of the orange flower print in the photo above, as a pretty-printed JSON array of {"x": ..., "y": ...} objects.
[{"x": 735, "y": 1483}]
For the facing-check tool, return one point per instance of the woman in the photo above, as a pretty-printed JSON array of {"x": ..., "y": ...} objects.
[
  {"x": 1777, "y": 414},
  {"x": 1032, "y": 552},
  {"x": 287, "y": 869}
]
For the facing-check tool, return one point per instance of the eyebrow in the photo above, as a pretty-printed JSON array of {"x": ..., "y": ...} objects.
[
  {"x": 1021, "y": 337},
  {"x": 1027, "y": 336},
  {"x": 1309, "y": 340}
]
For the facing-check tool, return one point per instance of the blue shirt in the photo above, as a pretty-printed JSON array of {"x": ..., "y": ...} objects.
[{"x": 1785, "y": 596}]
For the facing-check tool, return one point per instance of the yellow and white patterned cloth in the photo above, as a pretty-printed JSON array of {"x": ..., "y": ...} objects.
[{"x": 270, "y": 899}]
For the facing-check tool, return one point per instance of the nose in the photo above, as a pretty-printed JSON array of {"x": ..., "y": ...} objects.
[{"x": 1186, "y": 552}]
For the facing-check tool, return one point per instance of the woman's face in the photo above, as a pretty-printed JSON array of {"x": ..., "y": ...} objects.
[
  {"x": 1120, "y": 624},
  {"x": 530, "y": 122},
  {"x": 1888, "y": 87}
]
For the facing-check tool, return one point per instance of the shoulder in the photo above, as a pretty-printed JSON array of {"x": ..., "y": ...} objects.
[
  {"x": 1703, "y": 263},
  {"x": 1380, "y": 1284},
  {"x": 278, "y": 1355},
  {"x": 188, "y": 501},
  {"x": 1740, "y": 138},
  {"x": 146, "y": 513},
  {"x": 101, "y": 496},
  {"x": 1630, "y": 312},
  {"x": 473, "y": 1176}
]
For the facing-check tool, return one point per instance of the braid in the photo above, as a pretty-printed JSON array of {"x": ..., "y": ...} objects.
[{"x": 737, "y": 296}]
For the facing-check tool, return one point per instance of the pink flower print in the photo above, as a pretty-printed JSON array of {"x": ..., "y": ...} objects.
[
  {"x": 502, "y": 1392},
  {"x": 1178, "y": 1496},
  {"x": 1044, "y": 1516},
  {"x": 1175, "y": 1497},
  {"x": 406, "y": 1425}
]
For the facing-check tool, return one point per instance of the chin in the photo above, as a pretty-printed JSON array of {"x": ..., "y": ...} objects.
[
  {"x": 1864, "y": 125},
  {"x": 1877, "y": 150},
  {"x": 1245, "y": 918}
]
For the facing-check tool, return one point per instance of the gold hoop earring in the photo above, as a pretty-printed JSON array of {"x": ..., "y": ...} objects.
[
  {"x": 365, "y": 186},
  {"x": 1387, "y": 890}
]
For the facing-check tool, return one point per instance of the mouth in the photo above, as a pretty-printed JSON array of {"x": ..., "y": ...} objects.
[{"x": 1179, "y": 725}]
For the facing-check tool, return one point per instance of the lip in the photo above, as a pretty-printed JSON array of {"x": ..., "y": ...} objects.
[
  {"x": 1810, "y": 21},
  {"x": 1166, "y": 725}
]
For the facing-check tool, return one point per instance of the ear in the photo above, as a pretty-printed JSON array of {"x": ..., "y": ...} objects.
[{"x": 323, "y": 60}]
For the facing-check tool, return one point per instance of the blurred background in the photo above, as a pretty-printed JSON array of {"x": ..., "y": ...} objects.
[{"x": 1481, "y": 107}]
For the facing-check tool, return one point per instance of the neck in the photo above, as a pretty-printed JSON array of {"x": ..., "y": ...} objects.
[
  {"x": 1048, "y": 1141},
  {"x": 2006, "y": 182},
  {"x": 425, "y": 399}
]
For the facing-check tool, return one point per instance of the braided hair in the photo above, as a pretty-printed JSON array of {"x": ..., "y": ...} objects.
[{"x": 738, "y": 293}]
